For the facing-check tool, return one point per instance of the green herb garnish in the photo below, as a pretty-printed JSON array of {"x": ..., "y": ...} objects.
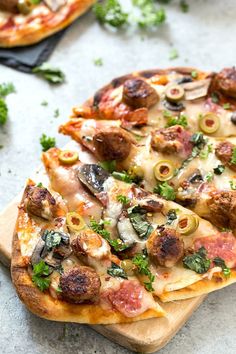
[
  {"x": 98, "y": 62},
  {"x": 56, "y": 113},
  {"x": 219, "y": 262},
  {"x": 171, "y": 216},
  {"x": 232, "y": 185},
  {"x": 52, "y": 239},
  {"x": 137, "y": 216},
  {"x": 123, "y": 199},
  {"x": 194, "y": 74},
  {"x": 151, "y": 16},
  {"x": 109, "y": 166},
  {"x": 141, "y": 262},
  {"x": 205, "y": 152},
  {"x": 40, "y": 275},
  {"x": 117, "y": 271},
  {"x": 165, "y": 190},
  {"x": 122, "y": 176},
  {"x": 198, "y": 261},
  {"x": 233, "y": 158},
  {"x": 219, "y": 169},
  {"x": 110, "y": 12},
  {"x": 47, "y": 72},
  {"x": 6, "y": 89},
  {"x": 98, "y": 227},
  {"x": 47, "y": 142},
  {"x": 44, "y": 103},
  {"x": 184, "y": 6},
  {"x": 209, "y": 177},
  {"x": 181, "y": 120},
  {"x": 214, "y": 97},
  {"x": 226, "y": 105},
  {"x": 173, "y": 54},
  {"x": 3, "y": 112}
]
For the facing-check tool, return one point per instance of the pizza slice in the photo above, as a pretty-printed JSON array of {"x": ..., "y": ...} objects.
[
  {"x": 196, "y": 170},
  {"x": 202, "y": 101},
  {"x": 25, "y": 22},
  {"x": 65, "y": 271}
]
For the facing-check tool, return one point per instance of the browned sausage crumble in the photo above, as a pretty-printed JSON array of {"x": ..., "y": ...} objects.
[
  {"x": 224, "y": 152},
  {"x": 137, "y": 93}
]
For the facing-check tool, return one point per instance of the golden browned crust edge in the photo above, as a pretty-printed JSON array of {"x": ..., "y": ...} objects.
[
  {"x": 147, "y": 74},
  {"x": 26, "y": 37},
  {"x": 201, "y": 287},
  {"x": 43, "y": 305}
]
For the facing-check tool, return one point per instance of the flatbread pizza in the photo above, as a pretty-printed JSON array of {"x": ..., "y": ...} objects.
[{"x": 25, "y": 22}]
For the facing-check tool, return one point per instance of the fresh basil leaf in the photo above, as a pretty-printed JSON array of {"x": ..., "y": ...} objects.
[
  {"x": 53, "y": 75},
  {"x": 116, "y": 271},
  {"x": 219, "y": 262},
  {"x": 198, "y": 261},
  {"x": 52, "y": 239},
  {"x": 137, "y": 216}
]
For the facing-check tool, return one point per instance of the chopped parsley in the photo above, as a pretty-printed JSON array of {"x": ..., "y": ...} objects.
[
  {"x": 209, "y": 177},
  {"x": 232, "y": 185},
  {"x": 198, "y": 262},
  {"x": 194, "y": 74},
  {"x": 171, "y": 216},
  {"x": 219, "y": 169},
  {"x": 219, "y": 262},
  {"x": 49, "y": 73},
  {"x": 40, "y": 275},
  {"x": 226, "y": 105},
  {"x": 47, "y": 142},
  {"x": 181, "y": 120},
  {"x": 6, "y": 89},
  {"x": 137, "y": 216},
  {"x": 117, "y": 271},
  {"x": 173, "y": 54},
  {"x": 233, "y": 158},
  {"x": 165, "y": 190},
  {"x": 205, "y": 152},
  {"x": 44, "y": 103},
  {"x": 98, "y": 227},
  {"x": 98, "y": 62},
  {"x": 56, "y": 113},
  {"x": 111, "y": 13},
  {"x": 141, "y": 262},
  {"x": 109, "y": 166},
  {"x": 214, "y": 97},
  {"x": 122, "y": 176},
  {"x": 184, "y": 6},
  {"x": 150, "y": 15},
  {"x": 123, "y": 199},
  {"x": 3, "y": 111}
]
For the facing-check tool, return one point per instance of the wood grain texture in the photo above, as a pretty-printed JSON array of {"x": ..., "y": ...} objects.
[{"x": 145, "y": 336}]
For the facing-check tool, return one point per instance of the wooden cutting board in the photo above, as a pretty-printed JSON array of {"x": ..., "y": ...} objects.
[{"x": 144, "y": 336}]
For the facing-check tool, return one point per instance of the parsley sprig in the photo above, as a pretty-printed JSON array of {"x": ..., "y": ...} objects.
[
  {"x": 40, "y": 277},
  {"x": 141, "y": 262},
  {"x": 47, "y": 142},
  {"x": 99, "y": 228},
  {"x": 5, "y": 90},
  {"x": 165, "y": 190},
  {"x": 111, "y": 13}
]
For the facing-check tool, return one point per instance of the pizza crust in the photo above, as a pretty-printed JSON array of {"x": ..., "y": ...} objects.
[{"x": 27, "y": 32}]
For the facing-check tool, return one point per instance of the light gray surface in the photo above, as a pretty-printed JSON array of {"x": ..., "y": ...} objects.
[{"x": 204, "y": 37}]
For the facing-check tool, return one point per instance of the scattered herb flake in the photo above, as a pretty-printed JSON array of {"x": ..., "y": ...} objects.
[
  {"x": 194, "y": 74},
  {"x": 184, "y": 6},
  {"x": 233, "y": 158},
  {"x": 40, "y": 275},
  {"x": 181, "y": 120},
  {"x": 110, "y": 12},
  {"x": 47, "y": 72},
  {"x": 98, "y": 62},
  {"x": 44, "y": 103},
  {"x": 209, "y": 177},
  {"x": 123, "y": 199},
  {"x": 219, "y": 169},
  {"x": 141, "y": 262},
  {"x": 109, "y": 166},
  {"x": 56, "y": 113},
  {"x": 226, "y": 106},
  {"x": 198, "y": 261},
  {"x": 137, "y": 216},
  {"x": 3, "y": 112},
  {"x": 6, "y": 89},
  {"x": 117, "y": 271},
  {"x": 206, "y": 151},
  {"x": 165, "y": 190},
  {"x": 122, "y": 176},
  {"x": 173, "y": 54},
  {"x": 171, "y": 216},
  {"x": 214, "y": 97},
  {"x": 219, "y": 262},
  {"x": 232, "y": 185}
]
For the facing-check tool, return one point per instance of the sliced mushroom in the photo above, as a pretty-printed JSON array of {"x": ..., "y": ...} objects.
[
  {"x": 196, "y": 89},
  {"x": 126, "y": 231},
  {"x": 92, "y": 176}
]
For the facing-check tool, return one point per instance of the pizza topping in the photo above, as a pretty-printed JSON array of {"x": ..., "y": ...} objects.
[
  {"x": 233, "y": 118},
  {"x": 47, "y": 142},
  {"x": 52, "y": 248},
  {"x": 138, "y": 219},
  {"x": 219, "y": 262},
  {"x": 74, "y": 221},
  {"x": 138, "y": 94},
  {"x": 117, "y": 271},
  {"x": 136, "y": 173},
  {"x": 174, "y": 106},
  {"x": 164, "y": 247},
  {"x": 198, "y": 261},
  {"x": 80, "y": 284},
  {"x": 112, "y": 144},
  {"x": 40, "y": 277},
  {"x": 93, "y": 176},
  {"x": 128, "y": 266},
  {"x": 222, "y": 206},
  {"x": 171, "y": 216},
  {"x": 225, "y": 151},
  {"x": 49, "y": 73},
  {"x": 172, "y": 140},
  {"x": 164, "y": 170},
  {"x": 165, "y": 190},
  {"x": 9, "y": 5},
  {"x": 209, "y": 123},
  {"x": 174, "y": 93},
  {"x": 219, "y": 170},
  {"x": 221, "y": 245},
  {"x": 142, "y": 265},
  {"x": 68, "y": 157},
  {"x": 181, "y": 120},
  {"x": 39, "y": 202},
  {"x": 126, "y": 231},
  {"x": 196, "y": 89},
  {"x": 187, "y": 224},
  {"x": 24, "y": 6},
  {"x": 225, "y": 82}
]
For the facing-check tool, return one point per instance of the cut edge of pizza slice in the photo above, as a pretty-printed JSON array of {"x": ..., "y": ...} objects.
[{"x": 51, "y": 280}]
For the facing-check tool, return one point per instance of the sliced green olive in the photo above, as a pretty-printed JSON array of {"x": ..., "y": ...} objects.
[
  {"x": 174, "y": 93},
  {"x": 68, "y": 157},
  {"x": 128, "y": 266},
  {"x": 136, "y": 171},
  {"x": 74, "y": 221},
  {"x": 24, "y": 7},
  {"x": 209, "y": 123},
  {"x": 164, "y": 170},
  {"x": 187, "y": 224}
]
